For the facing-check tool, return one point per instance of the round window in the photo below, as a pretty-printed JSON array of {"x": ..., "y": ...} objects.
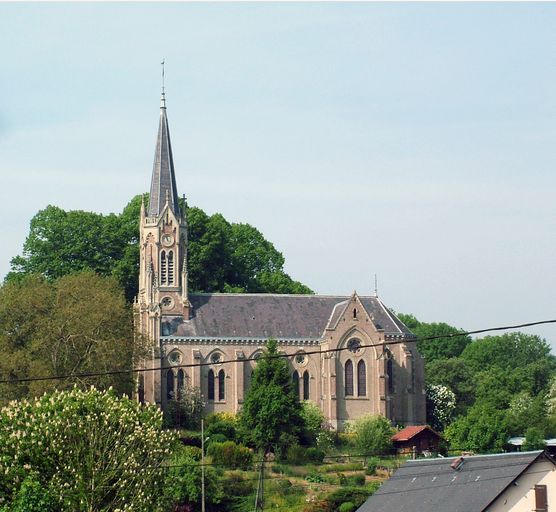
[
  {"x": 174, "y": 357},
  {"x": 215, "y": 358},
  {"x": 354, "y": 345},
  {"x": 167, "y": 302}
]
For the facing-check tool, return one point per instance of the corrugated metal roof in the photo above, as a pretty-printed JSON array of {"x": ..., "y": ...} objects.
[{"x": 429, "y": 485}]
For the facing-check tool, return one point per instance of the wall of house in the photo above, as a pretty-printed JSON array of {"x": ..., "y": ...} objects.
[{"x": 521, "y": 497}]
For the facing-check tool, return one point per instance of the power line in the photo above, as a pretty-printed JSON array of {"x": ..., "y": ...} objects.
[{"x": 276, "y": 356}]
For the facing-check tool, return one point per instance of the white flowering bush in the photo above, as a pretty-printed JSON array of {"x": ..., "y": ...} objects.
[
  {"x": 441, "y": 404},
  {"x": 87, "y": 450}
]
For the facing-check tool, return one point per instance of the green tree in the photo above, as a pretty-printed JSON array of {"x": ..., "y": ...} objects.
[
  {"x": 373, "y": 435},
  {"x": 80, "y": 323},
  {"x": 441, "y": 403},
  {"x": 534, "y": 439},
  {"x": 484, "y": 429},
  {"x": 271, "y": 408},
  {"x": 457, "y": 375},
  {"x": 89, "y": 450},
  {"x": 449, "y": 343},
  {"x": 182, "y": 485},
  {"x": 223, "y": 257},
  {"x": 313, "y": 421}
]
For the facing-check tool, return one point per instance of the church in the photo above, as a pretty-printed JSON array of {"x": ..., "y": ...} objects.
[{"x": 378, "y": 369}]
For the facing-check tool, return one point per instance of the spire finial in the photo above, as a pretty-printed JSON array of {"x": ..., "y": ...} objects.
[
  {"x": 163, "y": 98},
  {"x": 376, "y": 286}
]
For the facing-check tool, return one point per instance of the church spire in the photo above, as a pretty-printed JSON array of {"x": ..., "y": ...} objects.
[{"x": 163, "y": 182}]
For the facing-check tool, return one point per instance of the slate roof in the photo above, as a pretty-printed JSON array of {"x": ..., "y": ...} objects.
[
  {"x": 228, "y": 315},
  {"x": 431, "y": 484},
  {"x": 405, "y": 434},
  {"x": 163, "y": 179}
]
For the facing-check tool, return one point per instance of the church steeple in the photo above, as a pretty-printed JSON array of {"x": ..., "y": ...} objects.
[{"x": 163, "y": 182}]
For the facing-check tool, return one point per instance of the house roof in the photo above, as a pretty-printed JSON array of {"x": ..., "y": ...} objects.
[
  {"x": 229, "y": 315},
  {"x": 405, "y": 434},
  {"x": 432, "y": 484}
]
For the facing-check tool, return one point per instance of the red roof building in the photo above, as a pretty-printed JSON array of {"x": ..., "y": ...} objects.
[{"x": 420, "y": 438}]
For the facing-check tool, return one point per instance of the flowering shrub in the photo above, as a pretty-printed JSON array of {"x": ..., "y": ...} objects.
[
  {"x": 441, "y": 404},
  {"x": 88, "y": 450}
]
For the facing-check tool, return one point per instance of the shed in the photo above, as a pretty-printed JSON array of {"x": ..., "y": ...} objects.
[{"x": 422, "y": 437}]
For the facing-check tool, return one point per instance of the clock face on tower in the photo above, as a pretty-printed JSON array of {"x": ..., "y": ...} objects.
[{"x": 167, "y": 240}]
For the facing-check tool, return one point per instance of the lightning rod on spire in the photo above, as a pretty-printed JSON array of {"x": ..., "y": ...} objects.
[{"x": 163, "y": 98}]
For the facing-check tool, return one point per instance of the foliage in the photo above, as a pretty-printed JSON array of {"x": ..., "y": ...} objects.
[
  {"x": 347, "y": 506},
  {"x": 333, "y": 501},
  {"x": 222, "y": 424},
  {"x": 313, "y": 421},
  {"x": 78, "y": 324},
  {"x": 314, "y": 454},
  {"x": 372, "y": 465},
  {"x": 315, "y": 478},
  {"x": 186, "y": 410},
  {"x": 230, "y": 455},
  {"x": 32, "y": 497},
  {"x": 457, "y": 375},
  {"x": 534, "y": 439},
  {"x": 449, "y": 344},
  {"x": 222, "y": 256},
  {"x": 484, "y": 429},
  {"x": 89, "y": 450},
  {"x": 182, "y": 485},
  {"x": 295, "y": 454},
  {"x": 441, "y": 403},
  {"x": 270, "y": 407},
  {"x": 373, "y": 435}
]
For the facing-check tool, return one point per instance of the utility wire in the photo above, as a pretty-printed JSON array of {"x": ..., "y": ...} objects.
[{"x": 276, "y": 356}]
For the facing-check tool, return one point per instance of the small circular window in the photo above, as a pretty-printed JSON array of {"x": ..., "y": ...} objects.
[
  {"x": 167, "y": 302},
  {"x": 354, "y": 345},
  {"x": 174, "y": 357},
  {"x": 216, "y": 358}
]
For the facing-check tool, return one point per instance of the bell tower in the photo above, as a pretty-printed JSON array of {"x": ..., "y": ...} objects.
[{"x": 162, "y": 259}]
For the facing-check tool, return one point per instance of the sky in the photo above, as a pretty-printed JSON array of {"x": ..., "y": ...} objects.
[{"x": 414, "y": 141}]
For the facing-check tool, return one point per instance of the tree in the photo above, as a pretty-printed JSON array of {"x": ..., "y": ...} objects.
[
  {"x": 484, "y": 429},
  {"x": 373, "y": 435},
  {"x": 223, "y": 257},
  {"x": 441, "y": 404},
  {"x": 534, "y": 439},
  {"x": 509, "y": 351},
  {"x": 450, "y": 343},
  {"x": 458, "y": 376},
  {"x": 89, "y": 450},
  {"x": 78, "y": 324},
  {"x": 270, "y": 408},
  {"x": 313, "y": 421}
]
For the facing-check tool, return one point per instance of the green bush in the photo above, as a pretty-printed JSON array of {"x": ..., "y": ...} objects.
[
  {"x": 314, "y": 455},
  {"x": 230, "y": 455},
  {"x": 347, "y": 506},
  {"x": 189, "y": 438},
  {"x": 216, "y": 438},
  {"x": 373, "y": 435},
  {"x": 372, "y": 465},
  {"x": 315, "y": 478},
  {"x": 313, "y": 420},
  {"x": 296, "y": 454},
  {"x": 221, "y": 424}
]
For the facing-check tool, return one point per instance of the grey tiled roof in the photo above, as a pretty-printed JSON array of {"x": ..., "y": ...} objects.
[
  {"x": 163, "y": 178},
  {"x": 269, "y": 315},
  {"x": 432, "y": 485}
]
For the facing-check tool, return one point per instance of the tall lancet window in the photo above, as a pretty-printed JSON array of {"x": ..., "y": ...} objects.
[
  {"x": 361, "y": 378},
  {"x": 348, "y": 376},
  {"x": 163, "y": 268},
  {"x": 306, "y": 385},
  {"x": 170, "y": 385},
  {"x": 211, "y": 385},
  {"x": 181, "y": 383},
  {"x": 170, "y": 267},
  {"x": 295, "y": 382},
  {"x": 221, "y": 385}
]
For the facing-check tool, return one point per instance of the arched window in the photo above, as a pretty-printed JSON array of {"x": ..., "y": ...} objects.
[
  {"x": 390, "y": 374},
  {"x": 163, "y": 268},
  {"x": 354, "y": 312},
  {"x": 361, "y": 378},
  {"x": 295, "y": 382},
  {"x": 306, "y": 385},
  {"x": 170, "y": 267},
  {"x": 348, "y": 376},
  {"x": 141, "y": 389},
  {"x": 170, "y": 385},
  {"x": 221, "y": 385},
  {"x": 181, "y": 383},
  {"x": 211, "y": 385}
]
